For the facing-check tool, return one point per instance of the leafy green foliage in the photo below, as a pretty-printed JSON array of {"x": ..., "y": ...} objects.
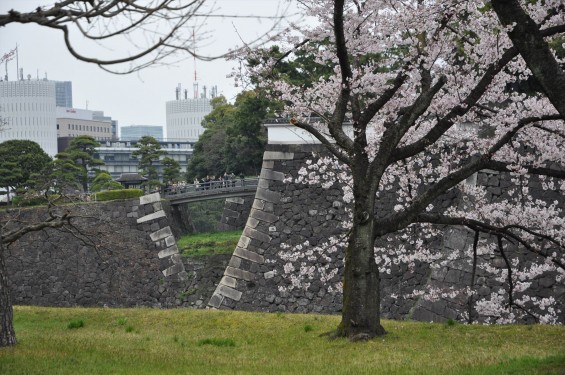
[
  {"x": 81, "y": 151},
  {"x": 148, "y": 153},
  {"x": 75, "y": 323},
  {"x": 111, "y": 195},
  {"x": 61, "y": 176},
  {"x": 103, "y": 181},
  {"x": 206, "y": 215},
  {"x": 20, "y": 160},
  {"x": 234, "y": 139},
  {"x": 171, "y": 170}
]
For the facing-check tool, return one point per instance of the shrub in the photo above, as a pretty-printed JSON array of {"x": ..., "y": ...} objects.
[
  {"x": 308, "y": 328},
  {"x": 23, "y": 201},
  {"x": 110, "y": 195},
  {"x": 74, "y": 324}
]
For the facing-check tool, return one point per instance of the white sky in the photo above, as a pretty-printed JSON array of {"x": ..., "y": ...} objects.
[{"x": 138, "y": 98}]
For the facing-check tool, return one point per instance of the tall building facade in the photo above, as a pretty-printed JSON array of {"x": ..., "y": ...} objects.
[
  {"x": 64, "y": 94},
  {"x": 27, "y": 108},
  {"x": 134, "y": 132},
  {"x": 72, "y": 122},
  {"x": 184, "y": 116}
]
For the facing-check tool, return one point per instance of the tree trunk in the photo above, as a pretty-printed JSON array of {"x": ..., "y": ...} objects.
[
  {"x": 361, "y": 315},
  {"x": 7, "y": 334}
]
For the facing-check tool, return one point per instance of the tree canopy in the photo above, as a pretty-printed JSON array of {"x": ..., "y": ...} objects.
[
  {"x": 81, "y": 151},
  {"x": 417, "y": 82},
  {"x": 148, "y": 153},
  {"x": 20, "y": 160},
  {"x": 234, "y": 139}
]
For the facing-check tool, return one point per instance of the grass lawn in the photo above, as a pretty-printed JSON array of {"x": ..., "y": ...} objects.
[
  {"x": 208, "y": 243},
  {"x": 183, "y": 341}
]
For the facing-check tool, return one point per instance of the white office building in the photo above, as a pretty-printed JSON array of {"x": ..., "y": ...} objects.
[
  {"x": 27, "y": 107},
  {"x": 184, "y": 117}
]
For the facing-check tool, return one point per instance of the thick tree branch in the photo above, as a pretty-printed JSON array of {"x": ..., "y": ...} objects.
[
  {"x": 324, "y": 140},
  {"x": 338, "y": 116},
  {"x": 16, "y": 234},
  {"x": 529, "y": 42}
]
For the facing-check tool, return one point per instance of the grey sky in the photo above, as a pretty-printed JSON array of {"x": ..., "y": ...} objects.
[{"x": 138, "y": 98}]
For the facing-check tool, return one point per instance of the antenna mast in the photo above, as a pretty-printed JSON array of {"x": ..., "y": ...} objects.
[{"x": 195, "y": 84}]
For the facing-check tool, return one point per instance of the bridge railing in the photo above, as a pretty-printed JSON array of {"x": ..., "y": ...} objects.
[{"x": 211, "y": 188}]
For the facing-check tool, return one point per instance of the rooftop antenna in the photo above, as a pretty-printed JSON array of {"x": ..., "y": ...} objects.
[{"x": 195, "y": 84}]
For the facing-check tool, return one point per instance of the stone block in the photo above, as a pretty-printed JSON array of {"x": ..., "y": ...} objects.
[
  {"x": 153, "y": 216},
  {"x": 176, "y": 259},
  {"x": 231, "y": 213},
  {"x": 258, "y": 204},
  {"x": 160, "y": 234},
  {"x": 269, "y": 275},
  {"x": 228, "y": 292},
  {"x": 235, "y": 262},
  {"x": 243, "y": 242},
  {"x": 168, "y": 252},
  {"x": 263, "y": 216},
  {"x": 255, "y": 234},
  {"x": 150, "y": 198},
  {"x": 269, "y": 174},
  {"x": 236, "y": 200},
  {"x": 263, "y": 184},
  {"x": 170, "y": 241},
  {"x": 229, "y": 281},
  {"x": 174, "y": 269},
  {"x": 268, "y": 164},
  {"x": 268, "y": 195},
  {"x": 239, "y": 274},
  {"x": 277, "y": 155},
  {"x": 249, "y": 255},
  {"x": 216, "y": 301},
  {"x": 252, "y": 222}
]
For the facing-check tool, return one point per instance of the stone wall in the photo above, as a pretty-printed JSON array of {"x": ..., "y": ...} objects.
[
  {"x": 287, "y": 215},
  {"x": 236, "y": 212},
  {"x": 123, "y": 254}
]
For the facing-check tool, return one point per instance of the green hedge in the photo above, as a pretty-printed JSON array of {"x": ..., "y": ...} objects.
[
  {"x": 110, "y": 195},
  {"x": 28, "y": 202}
]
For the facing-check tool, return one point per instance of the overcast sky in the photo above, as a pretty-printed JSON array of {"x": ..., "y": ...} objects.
[{"x": 138, "y": 98}]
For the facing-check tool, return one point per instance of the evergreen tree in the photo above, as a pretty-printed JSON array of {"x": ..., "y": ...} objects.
[
  {"x": 81, "y": 151},
  {"x": 148, "y": 153},
  {"x": 171, "y": 170},
  {"x": 19, "y": 161}
]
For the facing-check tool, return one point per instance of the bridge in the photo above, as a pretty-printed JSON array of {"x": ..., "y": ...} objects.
[{"x": 211, "y": 190}]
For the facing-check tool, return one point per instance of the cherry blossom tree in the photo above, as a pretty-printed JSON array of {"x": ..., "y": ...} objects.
[{"x": 425, "y": 87}]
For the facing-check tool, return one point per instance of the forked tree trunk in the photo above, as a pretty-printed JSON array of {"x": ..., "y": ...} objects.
[
  {"x": 7, "y": 334},
  {"x": 361, "y": 315}
]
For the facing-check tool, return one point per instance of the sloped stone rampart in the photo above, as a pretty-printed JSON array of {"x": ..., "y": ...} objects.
[
  {"x": 236, "y": 212},
  {"x": 286, "y": 214},
  {"x": 135, "y": 262}
]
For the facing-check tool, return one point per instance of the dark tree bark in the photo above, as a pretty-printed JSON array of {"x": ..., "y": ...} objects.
[
  {"x": 7, "y": 333},
  {"x": 529, "y": 42},
  {"x": 361, "y": 283}
]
